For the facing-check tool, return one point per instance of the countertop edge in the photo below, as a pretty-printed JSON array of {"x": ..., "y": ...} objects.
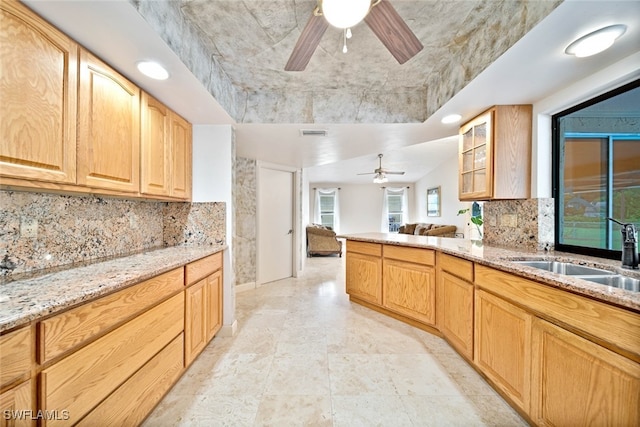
[
  {"x": 33, "y": 299},
  {"x": 500, "y": 257}
]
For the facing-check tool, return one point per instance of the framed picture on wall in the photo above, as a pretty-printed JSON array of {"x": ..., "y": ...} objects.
[{"x": 433, "y": 201}]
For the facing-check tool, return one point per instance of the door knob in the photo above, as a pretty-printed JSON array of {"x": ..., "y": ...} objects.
[{"x": 290, "y": 232}]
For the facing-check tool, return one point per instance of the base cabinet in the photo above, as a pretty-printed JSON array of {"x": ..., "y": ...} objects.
[
  {"x": 455, "y": 312},
  {"x": 503, "y": 345},
  {"x": 364, "y": 271},
  {"x": 409, "y": 289},
  {"x": 577, "y": 382},
  {"x": 17, "y": 406}
]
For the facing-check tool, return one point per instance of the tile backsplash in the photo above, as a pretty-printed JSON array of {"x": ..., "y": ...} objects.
[
  {"x": 76, "y": 229},
  {"x": 519, "y": 223}
]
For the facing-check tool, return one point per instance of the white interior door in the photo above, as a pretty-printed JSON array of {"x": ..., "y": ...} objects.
[{"x": 275, "y": 225}]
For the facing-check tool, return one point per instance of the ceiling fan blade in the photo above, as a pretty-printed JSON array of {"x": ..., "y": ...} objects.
[
  {"x": 367, "y": 173},
  {"x": 393, "y": 173},
  {"x": 307, "y": 43},
  {"x": 393, "y": 32}
]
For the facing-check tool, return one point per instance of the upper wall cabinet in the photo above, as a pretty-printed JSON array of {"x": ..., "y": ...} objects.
[
  {"x": 38, "y": 86},
  {"x": 495, "y": 154},
  {"x": 108, "y": 128},
  {"x": 166, "y": 151}
]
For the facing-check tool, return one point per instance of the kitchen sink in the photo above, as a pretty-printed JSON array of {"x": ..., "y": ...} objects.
[
  {"x": 617, "y": 281},
  {"x": 565, "y": 268}
]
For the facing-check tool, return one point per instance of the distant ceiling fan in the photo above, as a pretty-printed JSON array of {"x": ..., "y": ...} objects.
[
  {"x": 381, "y": 173},
  {"x": 379, "y": 15}
]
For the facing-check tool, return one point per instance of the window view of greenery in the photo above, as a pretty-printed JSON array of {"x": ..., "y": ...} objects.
[
  {"x": 598, "y": 171},
  {"x": 327, "y": 211}
]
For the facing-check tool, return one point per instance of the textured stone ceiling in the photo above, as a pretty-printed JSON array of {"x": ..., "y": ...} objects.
[{"x": 239, "y": 49}]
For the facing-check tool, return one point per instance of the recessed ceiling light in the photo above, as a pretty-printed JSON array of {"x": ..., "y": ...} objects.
[
  {"x": 451, "y": 118},
  {"x": 596, "y": 41},
  {"x": 153, "y": 69}
]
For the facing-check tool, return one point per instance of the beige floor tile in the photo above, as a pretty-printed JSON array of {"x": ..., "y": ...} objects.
[
  {"x": 442, "y": 411},
  {"x": 298, "y": 374},
  {"x": 360, "y": 374},
  {"x": 287, "y": 410},
  {"x": 367, "y": 411},
  {"x": 419, "y": 374}
]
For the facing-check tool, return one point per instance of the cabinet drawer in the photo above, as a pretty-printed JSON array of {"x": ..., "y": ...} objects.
[
  {"x": 456, "y": 266},
  {"x": 82, "y": 380},
  {"x": 15, "y": 355},
  {"x": 133, "y": 400},
  {"x": 617, "y": 327},
  {"x": 70, "y": 329},
  {"x": 416, "y": 255},
  {"x": 374, "y": 249},
  {"x": 202, "y": 268}
]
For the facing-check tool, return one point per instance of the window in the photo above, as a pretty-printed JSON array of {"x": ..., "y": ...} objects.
[
  {"x": 327, "y": 212},
  {"x": 394, "y": 209},
  {"x": 327, "y": 208},
  {"x": 596, "y": 158}
]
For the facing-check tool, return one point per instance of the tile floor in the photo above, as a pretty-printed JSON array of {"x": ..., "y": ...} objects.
[{"x": 305, "y": 355}]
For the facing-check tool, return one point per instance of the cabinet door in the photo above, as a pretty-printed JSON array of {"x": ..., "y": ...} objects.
[
  {"x": 155, "y": 170},
  {"x": 181, "y": 160},
  {"x": 503, "y": 345},
  {"x": 109, "y": 128},
  {"x": 195, "y": 321},
  {"x": 577, "y": 382},
  {"x": 214, "y": 304},
  {"x": 16, "y": 406},
  {"x": 476, "y": 165},
  {"x": 455, "y": 312},
  {"x": 409, "y": 289},
  {"x": 38, "y": 89},
  {"x": 15, "y": 356},
  {"x": 364, "y": 277}
]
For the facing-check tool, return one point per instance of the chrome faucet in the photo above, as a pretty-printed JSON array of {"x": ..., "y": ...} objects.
[{"x": 629, "y": 245}]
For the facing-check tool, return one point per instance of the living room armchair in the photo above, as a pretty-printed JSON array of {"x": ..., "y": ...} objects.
[{"x": 322, "y": 240}]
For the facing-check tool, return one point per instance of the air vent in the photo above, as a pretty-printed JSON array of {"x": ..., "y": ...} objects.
[{"x": 313, "y": 132}]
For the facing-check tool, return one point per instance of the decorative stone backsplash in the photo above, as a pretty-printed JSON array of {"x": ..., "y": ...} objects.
[
  {"x": 244, "y": 243},
  {"x": 79, "y": 229},
  {"x": 519, "y": 223}
]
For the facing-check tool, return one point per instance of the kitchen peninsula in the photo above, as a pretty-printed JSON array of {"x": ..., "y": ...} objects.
[{"x": 538, "y": 337}]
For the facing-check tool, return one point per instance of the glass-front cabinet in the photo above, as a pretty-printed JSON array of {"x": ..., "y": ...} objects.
[{"x": 495, "y": 154}]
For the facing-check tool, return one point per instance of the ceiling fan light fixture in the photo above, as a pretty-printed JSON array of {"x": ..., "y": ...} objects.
[
  {"x": 596, "y": 41},
  {"x": 380, "y": 178},
  {"x": 345, "y": 14}
]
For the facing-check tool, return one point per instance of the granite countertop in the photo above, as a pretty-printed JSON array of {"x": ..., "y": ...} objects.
[
  {"x": 24, "y": 301},
  {"x": 500, "y": 257}
]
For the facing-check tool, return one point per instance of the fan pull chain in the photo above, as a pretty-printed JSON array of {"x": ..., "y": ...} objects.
[{"x": 344, "y": 38}]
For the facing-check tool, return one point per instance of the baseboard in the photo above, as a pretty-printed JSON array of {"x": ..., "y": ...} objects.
[
  {"x": 228, "y": 330},
  {"x": 246, "y": 287}
]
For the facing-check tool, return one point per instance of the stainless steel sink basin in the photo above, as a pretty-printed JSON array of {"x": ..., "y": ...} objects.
[
  {"x": 617, "y": 281},
  {"x": 566, "y": 268}
]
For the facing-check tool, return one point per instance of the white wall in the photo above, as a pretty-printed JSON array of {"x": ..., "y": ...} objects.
[
  {"x": 446, "y": 177},
  {"x": 360, "y": 205},
  {"x": 213, "y": 156}
]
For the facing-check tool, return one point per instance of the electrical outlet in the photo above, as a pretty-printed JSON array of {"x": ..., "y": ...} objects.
[
  {"x": 509, "y": 220},
  {"x": 28, "y": 228}
]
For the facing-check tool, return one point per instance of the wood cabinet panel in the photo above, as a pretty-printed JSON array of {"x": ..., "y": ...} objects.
[
  {"x": 38, "y": 89},
  {"x": 457, "y": 266},
  {"x": 214, "y": 304},
  {"x": 155, "y": 151},
  {"x": 616, "y": 327},
  {"x": 108, "y": 128},
  {"x": 577, "y": 382},
  {"x": 364, "y": 277},
  {"x": 195, "y": 321},
  {"x": 415, "y": 255},
  {"x": 82, "y": 380},
  {"x": 201, "y": 268},
  {"x": 181, "y": 157},
  {"x": 374, "y": 249},
  {"x": 409, "y": 289},
  {"x": 16, "y": 406},
  {"x": 15, "y": 356},
  {"x": 74, "y": 327},
  {"x": 503, "y": 345},
  {"x": 136, "y": 398},
  {"x": 455, "y": 312}
]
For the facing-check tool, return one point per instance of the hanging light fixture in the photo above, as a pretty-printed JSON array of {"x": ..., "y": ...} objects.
[
  {"x": 596, "y": 41},
  {"x": 380, "y": 178},
  {"x": 345, "y": 14}
]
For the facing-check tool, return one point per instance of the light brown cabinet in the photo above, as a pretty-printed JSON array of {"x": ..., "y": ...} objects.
[
  {"x": 108, "y": 128},
  {"x": 16, "y": 406},
  {"x": 364, "y": 271},
  {"x": 38, "y": 89},
  {"x": 578, "y": 382},
  {"x": 455, "y": 302},
  {"x": 503, "y": 345},
  {"x": 15, "y": 371},
  {"x": 409, "y": 282},
  {"x": 495, "y": 154},
  {"x": 165, "y": 151},
  {"x": 203, "y": 304}
]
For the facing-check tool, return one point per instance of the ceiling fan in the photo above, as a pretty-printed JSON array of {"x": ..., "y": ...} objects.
[
  {"x": 379, "y": 15},
  {"x": 381, "y": 173}
]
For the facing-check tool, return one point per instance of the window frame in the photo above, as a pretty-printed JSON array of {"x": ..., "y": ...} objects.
[
  {"x": 332, "y": 212},
  {"x": 401, "y": 196}
]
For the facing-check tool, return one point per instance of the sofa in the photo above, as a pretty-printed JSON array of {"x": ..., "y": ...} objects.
[
  {"x": 322, "y": 240},
  {"x": 424, "y": 229}
]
